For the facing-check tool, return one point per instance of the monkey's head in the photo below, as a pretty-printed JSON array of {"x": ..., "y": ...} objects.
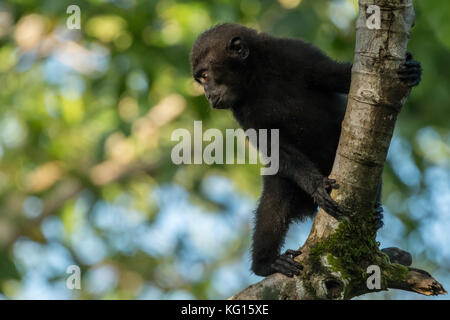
[{"x": 220, "y": 59}]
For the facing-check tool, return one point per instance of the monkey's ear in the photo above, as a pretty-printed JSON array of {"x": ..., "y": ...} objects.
[{"x": 237, "y": 48}]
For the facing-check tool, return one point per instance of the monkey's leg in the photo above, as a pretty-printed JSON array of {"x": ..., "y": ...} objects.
[
  {"x": 397, "y": 255},
  {"x": 302, "y": 205},
  {"x": 272, "y": 222}
]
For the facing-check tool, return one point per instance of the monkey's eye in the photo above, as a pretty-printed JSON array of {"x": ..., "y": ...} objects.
[{"x": 203, "y": 77}]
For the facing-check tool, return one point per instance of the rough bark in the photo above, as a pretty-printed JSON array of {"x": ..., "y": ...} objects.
[{"x": 337, "y": 253}]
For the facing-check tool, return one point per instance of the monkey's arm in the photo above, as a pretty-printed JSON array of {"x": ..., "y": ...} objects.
[
  {"x": 338, "y": 77},
  {"x": 324, "y": 73},
  {"x": 331, "y": 75},
  {"x": 299, "y": 168}
]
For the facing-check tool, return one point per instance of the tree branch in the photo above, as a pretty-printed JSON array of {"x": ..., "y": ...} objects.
[
  {"x": 337, "y": 254},
  {"x": 419, "y": 281}
]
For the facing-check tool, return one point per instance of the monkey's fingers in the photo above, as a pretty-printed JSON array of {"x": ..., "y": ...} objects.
[
  {"x": 378, "y": 217},
  {"x": 286, "y": 265},
  {"x": 324, "y": 201},
  {"x": 410, "y": 67},
  {"x": 282, "y": 270},
  {"x": 413, "y": 83},
  {"x": 293, "y": 253},
  {"x": 330, "y": 184},
  {"x": 410, "y": 64},
  {"x": 411, "y": 80},
  {"x": 410, "y": 73}
]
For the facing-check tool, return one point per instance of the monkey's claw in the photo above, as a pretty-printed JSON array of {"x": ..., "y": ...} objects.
[
  {"x": 410, "y": 72},
  {"x": 286, "y": 264},
  {"x": 322, "y": 198}
]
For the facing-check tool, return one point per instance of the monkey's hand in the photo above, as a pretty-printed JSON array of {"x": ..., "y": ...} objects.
[
  {"x": 286, "y": 264},
  {"x": 322, "y": 197},
  {"x": 410, "y": 72},
  {"x": 378, "y": 216}
]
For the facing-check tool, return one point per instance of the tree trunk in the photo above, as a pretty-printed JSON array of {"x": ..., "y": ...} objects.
[{"x": 337, "y": 254}]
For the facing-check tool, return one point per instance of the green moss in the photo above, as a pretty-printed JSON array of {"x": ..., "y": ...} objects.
[
  {"x": 336, "y": 266},
  {"x": 350, "y": 249},
  {"x": 352, "y": 242},
  {"x": 396, "y": 272}
]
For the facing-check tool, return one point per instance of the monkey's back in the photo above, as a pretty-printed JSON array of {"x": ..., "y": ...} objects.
[{"x": 308, "y": 120}]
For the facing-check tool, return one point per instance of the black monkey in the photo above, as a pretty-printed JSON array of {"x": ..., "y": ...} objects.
[{"x": 290, "y": 85}]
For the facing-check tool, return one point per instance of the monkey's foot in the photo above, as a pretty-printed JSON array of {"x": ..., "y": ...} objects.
[
  {"x": 322, "y": 198},
  {"x": 397, "y": 255},
  {"x": 286, "y": 264},
  {"x": 378, "y": 217},
  {"x": 410, "y": 72}
]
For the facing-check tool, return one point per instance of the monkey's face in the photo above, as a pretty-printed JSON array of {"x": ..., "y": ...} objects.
[{"x": 219, "y": 68}]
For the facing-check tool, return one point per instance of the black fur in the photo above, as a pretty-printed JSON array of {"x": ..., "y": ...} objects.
[{"x": 290, "y": 85}]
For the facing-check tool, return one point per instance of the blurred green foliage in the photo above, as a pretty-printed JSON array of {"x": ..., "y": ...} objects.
[{"x": 86, "y": 118}]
